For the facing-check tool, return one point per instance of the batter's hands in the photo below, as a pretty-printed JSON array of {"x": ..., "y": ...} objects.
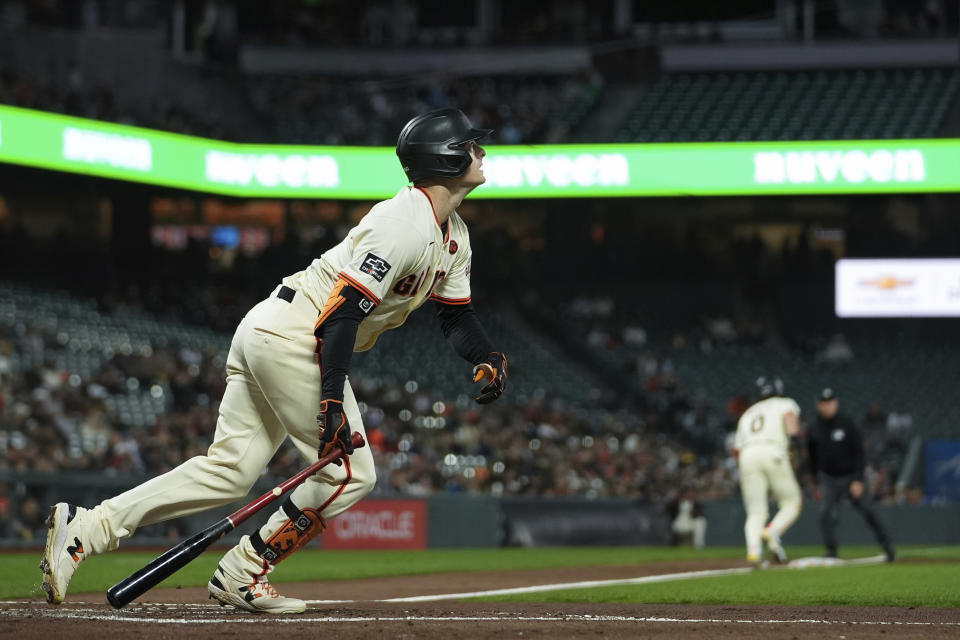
[
  {"x": 856, "y": 489},
  {"x": 333, "y": 429},
  {"x": 494, "y": 372}
]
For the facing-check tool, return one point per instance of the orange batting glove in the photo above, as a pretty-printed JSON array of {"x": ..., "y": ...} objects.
[{"x": 494, "y": 370}]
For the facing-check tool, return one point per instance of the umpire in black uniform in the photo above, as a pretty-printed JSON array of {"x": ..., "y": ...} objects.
[{"x": 837, "y": 463}]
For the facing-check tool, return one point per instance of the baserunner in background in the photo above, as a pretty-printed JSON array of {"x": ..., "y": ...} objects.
[{"x": 762, "y": 445}]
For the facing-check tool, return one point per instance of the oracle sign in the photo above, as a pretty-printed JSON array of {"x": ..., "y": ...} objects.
[{"x": 379, "y": 524}]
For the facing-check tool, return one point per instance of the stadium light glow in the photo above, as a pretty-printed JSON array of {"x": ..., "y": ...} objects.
[{"x": 90, "y": 147}]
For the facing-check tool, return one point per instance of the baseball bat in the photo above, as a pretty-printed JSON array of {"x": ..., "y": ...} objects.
[{"x": 135, "y": 585}]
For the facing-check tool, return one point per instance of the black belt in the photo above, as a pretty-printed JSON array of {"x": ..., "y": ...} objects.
[{"x": 286, "y": 293}]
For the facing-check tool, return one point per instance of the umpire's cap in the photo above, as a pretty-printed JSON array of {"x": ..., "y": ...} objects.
[
  {"x": 430, "y": 145},
  {"x": 827, "y": 394},
  {"x": 769, "y": 386}
]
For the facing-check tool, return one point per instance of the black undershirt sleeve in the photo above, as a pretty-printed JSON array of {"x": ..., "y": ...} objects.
[
  {"x": 462, "y": 328},
  {"x": 338, "y": 333}
]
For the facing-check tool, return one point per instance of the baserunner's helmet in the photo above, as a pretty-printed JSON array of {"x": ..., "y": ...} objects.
[{"x": 767, "y": 387}]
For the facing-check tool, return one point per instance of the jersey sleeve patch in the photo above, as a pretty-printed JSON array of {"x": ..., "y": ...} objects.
[{"x": 374, "y": 265}]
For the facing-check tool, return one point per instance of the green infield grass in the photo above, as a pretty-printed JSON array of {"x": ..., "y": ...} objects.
[{"x": 22, "y": 577}]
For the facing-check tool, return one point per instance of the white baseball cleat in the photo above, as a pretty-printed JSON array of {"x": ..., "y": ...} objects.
[
  {"x": 776, "y": 547},
  {"x": 258, "y": 596},
  {"x": 65, "y": 549}
]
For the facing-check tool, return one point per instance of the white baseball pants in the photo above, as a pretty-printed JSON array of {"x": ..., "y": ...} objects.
[
  {"x": 764, "y": 468},
  {"x": 273, "y": 391}
]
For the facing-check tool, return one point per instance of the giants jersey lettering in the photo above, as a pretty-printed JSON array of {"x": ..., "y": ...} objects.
[
  {"x": 763, "y": 423},
  {"x": 398, "y": 257}
]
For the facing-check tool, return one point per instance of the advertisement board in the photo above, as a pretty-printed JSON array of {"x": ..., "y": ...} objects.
[
  {"x": 91, "y": 147},
  {"x": 896, "y": 288},
  {"x": 379, "y": 524}
]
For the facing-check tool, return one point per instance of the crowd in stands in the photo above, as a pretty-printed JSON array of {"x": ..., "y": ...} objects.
[
  {"x": 304, "y": 109},
  {"x": 663, "y": 430},
  {"x": 55, "y": 420},
  {"x": 706, "y": 421},
  {"x": 220, "y": 29}
]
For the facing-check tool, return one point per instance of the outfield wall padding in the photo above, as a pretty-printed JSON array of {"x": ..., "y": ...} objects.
[{"x": 535, "y": 522}]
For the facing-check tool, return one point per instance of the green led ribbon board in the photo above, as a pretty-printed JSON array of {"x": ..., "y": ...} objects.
[{"x": 91, "y": 147}]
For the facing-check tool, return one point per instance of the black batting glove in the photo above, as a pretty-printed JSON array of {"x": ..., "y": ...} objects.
[
  {"x": 333, "y": 429},
  {"x": 494, "y": 371}
]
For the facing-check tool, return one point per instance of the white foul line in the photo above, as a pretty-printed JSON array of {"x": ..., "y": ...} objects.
[
  {"x": 686, "y": 575},
  {"x": 667, "y": 577}
]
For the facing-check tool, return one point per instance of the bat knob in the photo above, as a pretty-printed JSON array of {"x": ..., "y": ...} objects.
[
  {"x": 112, "y": 599},
  {"x": 357, "y": 440}
]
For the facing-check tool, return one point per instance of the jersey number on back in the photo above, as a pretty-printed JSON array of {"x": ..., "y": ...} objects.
[{"x": 756, "y": 424}]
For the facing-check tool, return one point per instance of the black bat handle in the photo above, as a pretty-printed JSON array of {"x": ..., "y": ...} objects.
[{"x": 125, "y": 592}]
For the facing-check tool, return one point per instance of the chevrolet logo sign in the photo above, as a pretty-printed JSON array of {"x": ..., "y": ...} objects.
[{"x": 886, "y": 282}]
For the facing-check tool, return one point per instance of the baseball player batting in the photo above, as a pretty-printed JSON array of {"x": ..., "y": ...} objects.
[
  {"x": 287, "y": 374},
  {"x": 762, "y": 443}
]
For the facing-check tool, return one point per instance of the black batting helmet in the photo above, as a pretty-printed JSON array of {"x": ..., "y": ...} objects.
[
  {"x": 430, "y": 145},
  {"x": 769, "y": 386}
]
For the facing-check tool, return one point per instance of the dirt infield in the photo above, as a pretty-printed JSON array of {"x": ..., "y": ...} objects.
[{"x": 186, "y": 613}]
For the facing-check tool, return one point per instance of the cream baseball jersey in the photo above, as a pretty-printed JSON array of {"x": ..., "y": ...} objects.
[
  {"x": 763, "y": 423},
  {"x": 398, "y": 256}
]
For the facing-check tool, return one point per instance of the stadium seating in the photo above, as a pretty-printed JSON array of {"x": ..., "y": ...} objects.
[
  {"x": 371, "y": 112},
  {"x": 328, "y": 110},
  {"x": 901, "y": 365},
  {"x": 81, "y": 339},
  {"x": 419, "y": 352},
  {"x": 793, "y": 105},
  {"x": 100, "y": 392}
]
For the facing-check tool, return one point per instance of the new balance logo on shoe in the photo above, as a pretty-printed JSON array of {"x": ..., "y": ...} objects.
[
  {"x": 248, "y": 595},
  {"x": 76, "y": 549}
]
